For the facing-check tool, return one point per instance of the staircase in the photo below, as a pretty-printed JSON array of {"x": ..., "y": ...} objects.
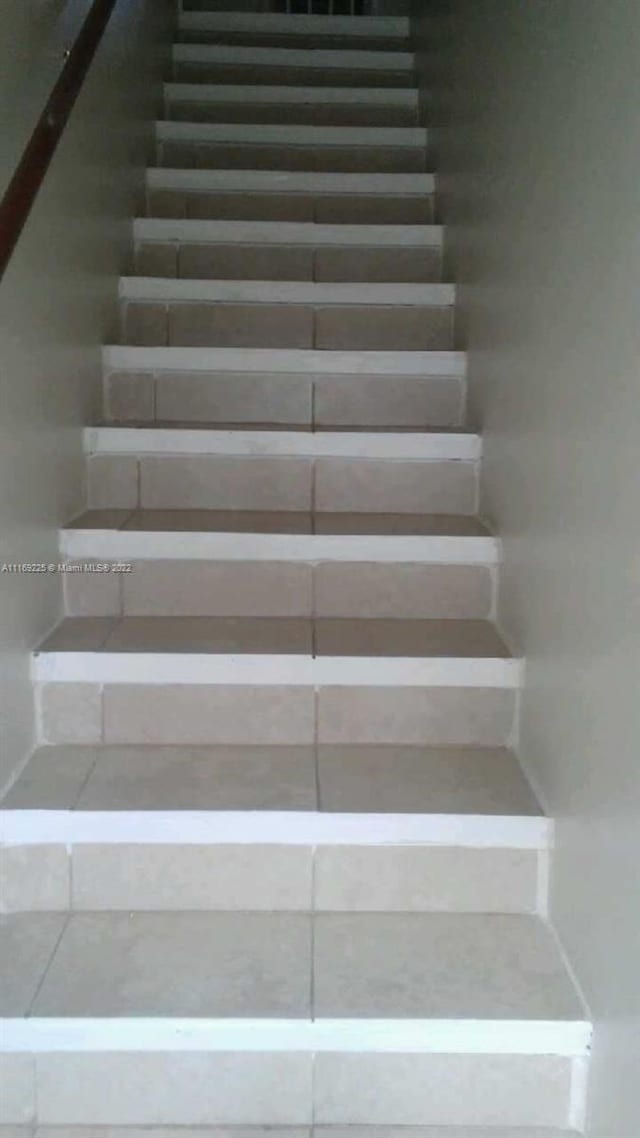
[{"x": 274, "y": 862}]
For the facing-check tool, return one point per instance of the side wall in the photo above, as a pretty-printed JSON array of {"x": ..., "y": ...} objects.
[
  {"x": 58, "y": 302},
  {"x": 536, "y": 108}
]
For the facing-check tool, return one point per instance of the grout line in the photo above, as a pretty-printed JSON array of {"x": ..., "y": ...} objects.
[
  {"x": 65, "y": 923},
  {"x": 85, "y": 780}
]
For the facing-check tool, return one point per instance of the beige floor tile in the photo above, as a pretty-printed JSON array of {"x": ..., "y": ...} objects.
[
  {"x": 390, "y": 401},
  {"x": 203, "y": 715},
  {"x": 241, "y": 325},
  {"x": 112, "y": 482},
  {"x": 214, "y": 482},
  {"x": 129, "y": 396},
  {"x": 453, "y": 525},
  {"x": 100, "y": 519},
  {"x": 177, "y": 878},
  {"x": 427, "y": 716},
  {"x": 414, "y": 879},
  {"x": 156, "y": 259},
  {"x": 79, "y": 634},
  {"x": 458, "y": 1090},
  {"x": 201, "y": 778},
  {"x": 459, "y": 638},
  {"x": 221, "y": 521},
  {"x": 182, "y": 964},
  {"x": 430, "y": 780},
  {"x": 359, "y": 485},
  {"x": 209, "y": 588},
  {"x": 145, "y": 324},
  {"x": 249, "y": 207},
  {"x": 381, "y": 328},
  {"x": 440, "y": 965},
  {"x": 34, "y": 878},
  {"x": 236, "y": 398},
  {"x": 246, "y": 262},
  {"x": 402, "y": 591},
  {"x": 17, "y": 1092},
  {"x": 378, "y": 265},
  {"x": 188, "y": 1089},
  {"x": 90, "y": 594},
  {"x": 27, "y": 942},
  {"x": 376, "y": 209},
  {"x": 52, "y": 779},
  {"x": 210, "y": 634},
  {"x": 70, "y": 713}
]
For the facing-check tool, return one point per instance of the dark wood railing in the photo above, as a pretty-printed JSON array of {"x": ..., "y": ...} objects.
[{"x": 30, "y": 172}]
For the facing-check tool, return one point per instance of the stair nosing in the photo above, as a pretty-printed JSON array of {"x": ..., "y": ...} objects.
[
  {"x": 267, "y": 93},
  {"x": 278, "y": 134},
  {"x": 275, "y": 233},
  {"x": 178, "y": 290},
  {"x": 333, "y": 58},
  {"x": 310, "y": 361}
]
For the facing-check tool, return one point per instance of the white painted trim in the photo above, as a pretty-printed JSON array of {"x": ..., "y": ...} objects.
[
  {"x": 392, "y": 27},
  {"x": 265, "y": 93},
  {"x": 289, "y": 181},
  {"x": 405, "y": 1036},
  {"x": 421, "y": 446},
  {"x": 286, "y": 233},
  {"x": 274, "y": 670},
  {"x": 170, "y": 290},
  {"x": 129, "y": 545},
  {"x": 265, "y": 134},
  {"x": 578, "y": 1094},
  {"x": 305, "y": 361},
  {"x": 259, "y": 827},
  {"x": 311, "y": 58}
]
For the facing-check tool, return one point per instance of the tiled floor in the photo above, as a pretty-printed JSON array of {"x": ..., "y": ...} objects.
[
  {"x": 248, "y": 521},
  {"x": 266, "y": 635},
  {"x": 347, "y": 779},
  {"x": 285, "y": 965}
]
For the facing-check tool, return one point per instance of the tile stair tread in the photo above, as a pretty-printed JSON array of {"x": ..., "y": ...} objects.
[
  {"x": 248, "y": 521},
  {"x": 459, "y": 638},
  {"x": 255, "y": 965},
  {"x": 352, "y": 779}
]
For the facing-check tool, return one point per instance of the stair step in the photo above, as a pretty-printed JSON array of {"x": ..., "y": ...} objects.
[
  {"x": 280, "y": 195},
  {"x": 209, "y": 1073},
  {"x": 304, "y": 106},
  {"x": 197, "y": 479},
  {"x": 275, "y": 23},
  {"x": 367, "y": 795},
  {"x": 203, "y": 523},
  {"x": 272, "y": 234},
  {"x": 290, "y": 387},
  {"x": 286, "y": 250},
  {"x": 276, "y": 147},
  {"x": 316, "y": 59},
  {"x": 422, "y": 650},
  {"x": 301, "y": 314},
  {"x": 288, "y": 135},
  {"x": 403, "y": 445},
  {"x": 418, "y": 967}
]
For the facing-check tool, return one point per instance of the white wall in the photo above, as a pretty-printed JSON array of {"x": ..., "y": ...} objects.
[
  {"x": 58, "y": 299},
  {"x": 538, "y": 122}
]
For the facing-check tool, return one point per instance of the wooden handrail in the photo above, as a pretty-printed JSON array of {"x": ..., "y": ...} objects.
[{"x": 30, "y": 172}]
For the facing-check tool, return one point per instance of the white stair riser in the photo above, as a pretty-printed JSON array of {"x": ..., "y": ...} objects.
[
  {"x": 231, "y": 1087},
  {"x": 281, "y": 58},
  {"x": 277, "y": 588},
  {"x": 206, "y": 714},
  {"x": 328, "y": 96},
  {"x": 263, "y": 877},
  {"x": 157, "y": 481}
]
